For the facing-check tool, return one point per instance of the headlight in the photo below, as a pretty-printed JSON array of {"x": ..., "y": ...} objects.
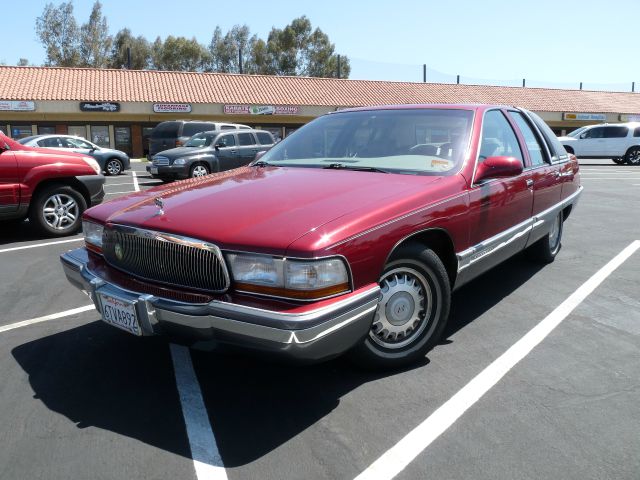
[
  {"x": 179, "y": 161},
  {"x": 93, "y": 164},
  {"x": 281, "y": 277},
  {"x": 92, "y": 235}
]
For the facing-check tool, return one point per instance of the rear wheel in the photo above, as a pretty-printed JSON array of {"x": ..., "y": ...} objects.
[
  {"x": 199, "y": 170},
  {"x": 412, "y": 310},
  {"x": 546, "y": 249},
  {"x": 113, "y": 167},
  {"x": 56, "y": 210},
  {"x": 633, "y": 156}
]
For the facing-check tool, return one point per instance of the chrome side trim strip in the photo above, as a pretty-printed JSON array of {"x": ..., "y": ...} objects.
[{"x": 493, "y": 244}]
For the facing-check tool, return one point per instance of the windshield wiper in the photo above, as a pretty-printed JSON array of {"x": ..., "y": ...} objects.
[
  {"x": 340, "y": 166},
  {"x": 261, "y": 163}
]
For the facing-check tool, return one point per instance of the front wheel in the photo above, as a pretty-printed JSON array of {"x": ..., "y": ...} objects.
[
  {"x": 546, "y": 249},
  {"x": 633, "y": 156},
  {"x": 56, "y": 210},
  {"x": 199, "y": 170},
  {"x": 113, "y": 167},
  {"x": 415, "y": 296}
]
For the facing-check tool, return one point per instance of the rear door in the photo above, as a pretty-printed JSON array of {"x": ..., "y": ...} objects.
[
  {"x": 616, "y": 141},
  {"x": 248, "y": 148},
  {"x": 544, "y": 175},
  {"x": 9, "y": 182}
]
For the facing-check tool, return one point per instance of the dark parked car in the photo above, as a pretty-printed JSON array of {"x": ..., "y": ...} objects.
[
  {"x": 112, "y": 162},
  {"x": 52, "y": 188},
  {"x": 350, "y": 234},
  {"x": 175, "y": 133},
  {"x": 209, "y": 152}
]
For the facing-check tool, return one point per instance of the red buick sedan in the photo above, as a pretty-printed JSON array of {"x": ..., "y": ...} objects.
[{"x": 347, "y": 236}]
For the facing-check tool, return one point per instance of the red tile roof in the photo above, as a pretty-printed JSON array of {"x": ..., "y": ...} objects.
[{"x": 52, "y": 83}]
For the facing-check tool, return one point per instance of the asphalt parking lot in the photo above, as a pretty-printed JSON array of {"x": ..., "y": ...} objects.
[{"x": 80, "y": 399}]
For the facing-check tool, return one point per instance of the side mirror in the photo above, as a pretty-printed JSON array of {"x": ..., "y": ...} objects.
[
  {"x": 498, "y": 167},
  {"x": 583, "y": 135},
  {"x": 260, "y": 154},
  {"x": 217, "y": 146}
]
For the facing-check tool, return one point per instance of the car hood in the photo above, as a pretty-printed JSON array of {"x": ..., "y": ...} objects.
[
  {"x": 258, "y": 209},
  {"x": 179, "y": 152},
  {"x": 567, "y": 139}
]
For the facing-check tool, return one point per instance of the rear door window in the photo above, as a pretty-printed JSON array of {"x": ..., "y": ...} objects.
[
  {"x": 245, "y": 139},
  {"x": 558, "y": 153},
  {"x": 165, "y": 130},
  {"x": 536, "y": 151},
  {"x": 636, "y": 132},
  {"x": 264, "y": 138}
]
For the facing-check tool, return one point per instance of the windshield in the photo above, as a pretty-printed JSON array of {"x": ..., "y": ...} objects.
[
  {"x": 410, "y": 141},
  {"x": 199, "y": 140},
  {"x": 576, "y": 132}
]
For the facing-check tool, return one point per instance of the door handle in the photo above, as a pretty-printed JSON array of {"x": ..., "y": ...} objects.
[{"x": 529, "y": 183}]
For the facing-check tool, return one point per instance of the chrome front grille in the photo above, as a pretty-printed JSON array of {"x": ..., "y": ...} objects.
[
  {"x": 160, "y": 161},
  {"x": 166, "y": 258}
]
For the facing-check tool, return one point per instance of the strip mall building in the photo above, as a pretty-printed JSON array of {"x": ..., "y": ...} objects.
[{"x": 118, "y": 108}]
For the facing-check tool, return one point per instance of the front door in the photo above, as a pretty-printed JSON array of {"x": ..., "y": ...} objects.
[
  {"x": 227, "y": 152},
  {"x": 499, "y": 209}
]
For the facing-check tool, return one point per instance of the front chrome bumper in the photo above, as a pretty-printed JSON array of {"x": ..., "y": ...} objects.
[{"x": 314, "y": 334}]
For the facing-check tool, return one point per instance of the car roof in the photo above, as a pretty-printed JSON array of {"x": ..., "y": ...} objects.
[{"x": 427, "y": 106}]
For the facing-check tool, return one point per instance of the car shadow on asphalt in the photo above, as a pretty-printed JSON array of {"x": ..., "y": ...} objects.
[
  {"x": 14, "y": 231},
  {"x": 98, "y": 376}
]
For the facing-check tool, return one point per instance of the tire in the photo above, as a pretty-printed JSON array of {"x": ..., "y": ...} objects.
[
  {"x": 198, "y": 170},
  {"x": 619, "y": 161},
  {"x": 546, "y": 249},
  {"x": 56, "y": 210},
  {"x": 412, "y": 311},
  {"x": 633, "y": 156},
  {"x": 113, "y": 167}
]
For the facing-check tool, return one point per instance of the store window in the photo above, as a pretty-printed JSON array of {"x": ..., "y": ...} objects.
[
  {"x": 288, "y": 131},
  {"x": 77, "y": 131},
  {"x": 123, "y": 139},
  {"x": 100, "y": 135},
  {"x": 46, "y": 130},
  {"x": 146, "y": 133},
  {"x": 275, "y": 131},
  {"x": 21, "y": 131},
  {"x": 3, "y": 128}
]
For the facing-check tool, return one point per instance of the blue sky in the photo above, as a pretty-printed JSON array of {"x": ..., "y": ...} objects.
[{"x": 550, "y": 43}]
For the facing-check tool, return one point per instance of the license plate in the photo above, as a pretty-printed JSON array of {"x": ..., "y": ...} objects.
[
  {"x": 153, "y": 170},
  {"x": 120, "y": 313}
]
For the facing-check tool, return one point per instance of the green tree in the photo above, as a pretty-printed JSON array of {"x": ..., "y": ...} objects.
[
  {"x": 23, "y": 62},
  {"x": 179, "y": 53},
  {"x": 58, "y": 32},
  {"x": 140, "y": 51},
  {"x": 95, "y": 41}
]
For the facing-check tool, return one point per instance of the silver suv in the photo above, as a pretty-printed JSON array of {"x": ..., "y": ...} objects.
[{"x": 619, "y": 142}]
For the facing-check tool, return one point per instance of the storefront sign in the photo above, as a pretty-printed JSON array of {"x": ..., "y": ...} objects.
[
  {"x": 99, "y": 107},
  {"x": 629, "y": 118},
  {"x": 261, "y": 109},
  {"x": 17, "y": 105},
  {"x": 172, "y": 108},
  {"x": 588, "y": 117}
]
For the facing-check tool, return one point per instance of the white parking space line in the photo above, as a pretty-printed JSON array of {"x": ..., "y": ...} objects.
[
  {"x": 129, "y": 183},
  {"x": 13, "y": 249},
  {"x": 394, "y": 460},
  {"x": 204, "y": 450},
  {"x": 53, "y": 316},
  {"x": 120, "y": 193},
  {"x": 136, "y": 187},
  {"x": 609, "y": 178}
]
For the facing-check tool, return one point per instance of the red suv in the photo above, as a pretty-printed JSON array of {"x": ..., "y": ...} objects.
[{"x": 52, "y": 188}]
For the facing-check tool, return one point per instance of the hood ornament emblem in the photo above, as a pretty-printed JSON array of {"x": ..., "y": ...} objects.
[{"x": 160, "y": 204}]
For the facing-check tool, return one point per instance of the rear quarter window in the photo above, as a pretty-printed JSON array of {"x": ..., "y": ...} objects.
[
  {"x": 190, "y": 129},
  {"x": 165, "y": 130}
]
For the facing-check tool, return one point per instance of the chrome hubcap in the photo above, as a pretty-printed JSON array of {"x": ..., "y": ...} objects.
[
  {"x": 113, "y": 167},
  {"x": 60, "y": 211},
  {"x": 199, "y": 171},
  {"x": 403, "y": 308},
  {"x": 554, "y": 234}
]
